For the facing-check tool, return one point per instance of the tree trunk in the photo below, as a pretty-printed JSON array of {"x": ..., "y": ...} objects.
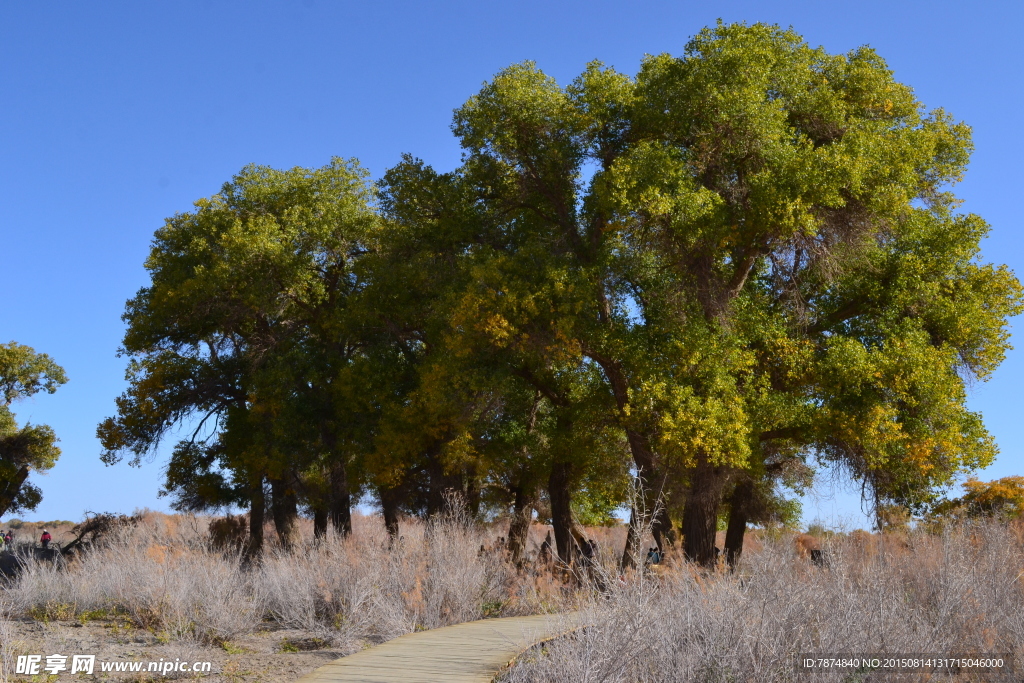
[
  {"x": 11, "y": 488},
  {"x": 566, "y": 533},
  {"x": 525, "y": 495},
  {"x": 738, "y": 515},
  {"x": 650, "y": 479},
  {"x": 472, "y": 489},
  {"x": 319, "y": 522},
  {"x": 257, "y": 517},
  {"x": 441, "y": 485},
  {"x": 389, "y": 508},
  {"x": 519, "y": 528},
  {"x": 650, "y": 483},
  {"x": 340, "y": 500},
  {"x": 285, "y": 510},
  {"x": 631, "y": 558},
  {"x": 700, "y": 513},
  {"x": 661, "y": 529}
]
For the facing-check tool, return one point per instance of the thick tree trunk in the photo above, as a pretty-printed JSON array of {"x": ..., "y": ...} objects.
[
  {"x": 340, "y": 500},
  {"x": 11, "y": 488},
  {"x": 525, "y": 495},
  {"x": 389, "y": 508},
  {"x": 319, "y": 523},
  {"x": 519, "y": 528},
  {"x": 739, "y": 513},
  {"x": 318, "y": 497},
  {"x": 441, "y": 485},
  {"x": 285, "y": 510},
  {"x": 700, "y": 514},
  {"x": 257, "y": 517},
  {"x": 567, "y": 541},
  {"x": 661, "y": 529}
]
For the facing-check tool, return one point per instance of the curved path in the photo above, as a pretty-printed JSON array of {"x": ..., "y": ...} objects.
[{"x": 464, "y": 653}]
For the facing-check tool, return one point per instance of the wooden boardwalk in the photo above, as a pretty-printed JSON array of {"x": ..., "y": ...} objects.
[{"x": 464, "y": 653}]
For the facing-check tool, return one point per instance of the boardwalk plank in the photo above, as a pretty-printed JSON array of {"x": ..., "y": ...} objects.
[{"x": 464, "y": 653}]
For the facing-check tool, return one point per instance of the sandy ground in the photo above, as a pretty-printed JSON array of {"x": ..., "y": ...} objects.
[{"x": 269, "y": 655}]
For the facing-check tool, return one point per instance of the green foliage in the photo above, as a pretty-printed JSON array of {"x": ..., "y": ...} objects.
[
  {"x": 24, "y": 373},
  {"x": 233, "y": 649},
  {"x": 53, "y": 611},
  {"x": 596, "y": 508},
  {"x": 30, "y": 448},
  {"x": 244, "y": 331},
  {"x": 746, "y": 259},
  {"x": 15, "y": 523},
  {"x": 818, "y": 529},
  {"x": 767, "y": 508}
]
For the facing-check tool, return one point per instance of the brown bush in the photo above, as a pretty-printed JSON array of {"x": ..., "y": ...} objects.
[{"x": 805, "y": 543}]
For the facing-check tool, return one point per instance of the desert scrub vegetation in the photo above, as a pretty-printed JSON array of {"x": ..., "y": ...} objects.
[
  {"x": 164, "y": 575},
  {"x": 957, "y": 591},
  {"x": 6, "y": 644}
]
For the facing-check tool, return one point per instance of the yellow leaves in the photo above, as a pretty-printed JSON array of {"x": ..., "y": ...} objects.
[
  {"x": 459, "y": 449},
  {"x": 691, "y": 426},
  {"x": 497, "y": 328},
  {"x": 998, "y": 497},
  {"x": 919, "y": 455},
  {"x": 566, "y": 348}
]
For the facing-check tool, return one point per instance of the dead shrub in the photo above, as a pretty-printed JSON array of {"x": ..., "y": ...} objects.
[
  {"x": 158, "y": 581},
  {"x": 181, "y": 577},
  {"x": 959, "y": 592}
]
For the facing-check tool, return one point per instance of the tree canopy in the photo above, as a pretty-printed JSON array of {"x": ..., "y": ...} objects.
[
  {"x": 29, "y": 448},
  {"x": 1000, "y": 497},
  {"x": 738, "y": 264}
]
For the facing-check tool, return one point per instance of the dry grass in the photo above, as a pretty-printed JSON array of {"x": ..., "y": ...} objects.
[
  {"x": 158, "y": 575},
  {"x": 960, "y": 592},
  {"x": 163, "y": 577},
  {"x": 364, "y": 588},
  {"x": 7, "y": 645}
]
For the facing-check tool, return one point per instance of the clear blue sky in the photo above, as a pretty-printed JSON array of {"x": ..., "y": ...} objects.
[{"x": 115, "y": 115}]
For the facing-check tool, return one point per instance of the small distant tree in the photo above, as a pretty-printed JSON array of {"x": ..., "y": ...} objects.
[
  {"x": 29, "y": 448},
  {"x": 998, "y": 498},
  {"x": 892, "y": 518}
]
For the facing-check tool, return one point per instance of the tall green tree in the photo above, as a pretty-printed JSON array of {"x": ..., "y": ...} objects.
[
  {"x": 246, "y": 316},
  {"x": 501, "y": 318},
  {"x": 708, "y": 238},
  {"x": 742, "y": 262},
  {"x": 28, "y": 448}
]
